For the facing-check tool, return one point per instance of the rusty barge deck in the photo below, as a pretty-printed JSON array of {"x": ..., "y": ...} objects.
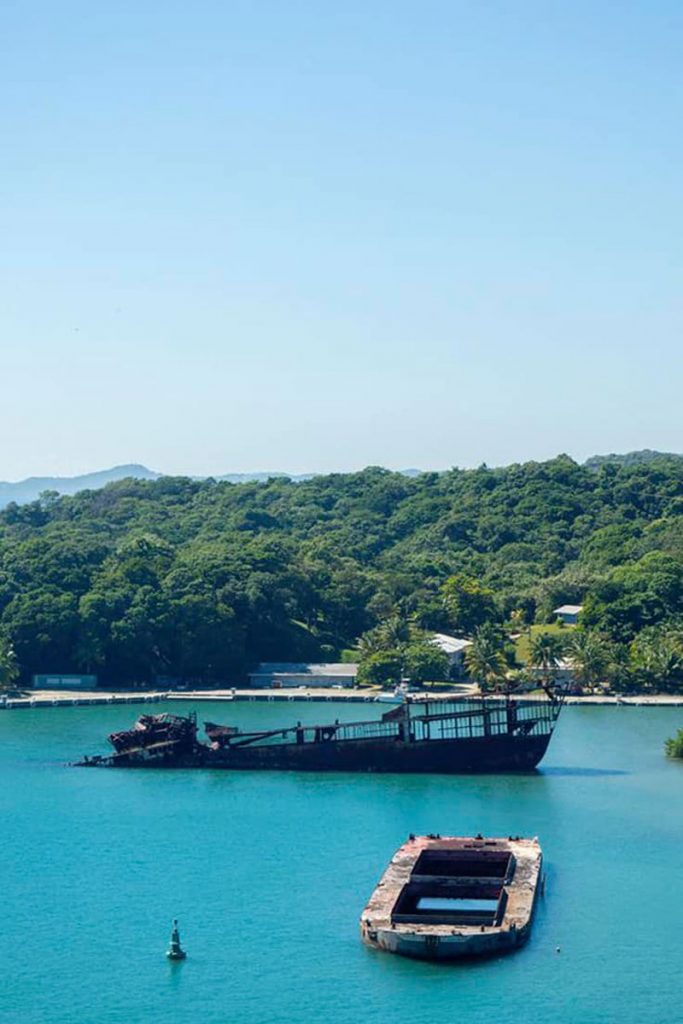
[{"x": 443, "y": 898}]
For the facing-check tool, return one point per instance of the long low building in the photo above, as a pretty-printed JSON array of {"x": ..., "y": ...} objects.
[
  {"x": 270, "y": 674},
  {"x": 68, "y": 681}
]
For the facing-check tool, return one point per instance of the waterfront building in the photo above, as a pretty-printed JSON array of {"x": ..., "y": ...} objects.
[
  {"x": 49, "y": 681},
  {"x": 271, "y": 674}
]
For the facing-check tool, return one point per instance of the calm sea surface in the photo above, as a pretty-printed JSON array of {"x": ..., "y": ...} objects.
[{"x": 268, "y": 874}]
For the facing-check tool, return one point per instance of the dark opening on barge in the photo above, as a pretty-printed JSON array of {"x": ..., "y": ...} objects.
[{"x": 456, "y": 887}]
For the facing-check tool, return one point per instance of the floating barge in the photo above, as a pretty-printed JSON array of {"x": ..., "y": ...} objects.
[
  {"x": 417, "y": 736},
  {"x": 442, "y": 898}
]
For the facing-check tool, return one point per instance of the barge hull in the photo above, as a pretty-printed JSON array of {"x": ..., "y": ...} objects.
[
  {"x": 450, "y": 898},
  {"x": 447, "y": 947}
]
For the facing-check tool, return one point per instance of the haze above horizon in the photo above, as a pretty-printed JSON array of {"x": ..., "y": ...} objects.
[{"x": 281, "y": 235}]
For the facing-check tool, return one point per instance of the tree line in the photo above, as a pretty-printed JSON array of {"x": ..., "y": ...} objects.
[{"x": 200, "y": 580}]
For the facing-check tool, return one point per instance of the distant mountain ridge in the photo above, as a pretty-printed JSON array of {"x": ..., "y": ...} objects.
[{"x": 24, "y": 491}]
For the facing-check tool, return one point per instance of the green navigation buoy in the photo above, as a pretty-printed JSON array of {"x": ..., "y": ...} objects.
[{"x": 175, "y": 951}]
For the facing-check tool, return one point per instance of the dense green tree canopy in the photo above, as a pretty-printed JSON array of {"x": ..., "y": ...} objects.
[
  {"x": 425, "y": 663},
  {"x": 200, "y": 580},
  {"x": 468, "y": 604},
  {"x": 381, "y": 668}
]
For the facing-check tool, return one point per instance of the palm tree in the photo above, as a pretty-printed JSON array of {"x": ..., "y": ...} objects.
[
  {"x": 659, "y": 658},
  {"x": 545, "y": 654},
  {"x": 9, "y": 667},
  {"x": 590, "y": 656},
  {"x": 484, "y": 658},
  {"x": 397, "y": 630},
  {"x": 517, "y": 620},
  {"x": 392, "y": 634},
  {"x": 370, "y": 643}
]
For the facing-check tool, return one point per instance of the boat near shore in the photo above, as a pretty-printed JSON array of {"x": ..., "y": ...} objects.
[
  {"x": 448, "y": 897},
  {"x": 395, "y": 696},
  {"x": 416, "y": 736}
]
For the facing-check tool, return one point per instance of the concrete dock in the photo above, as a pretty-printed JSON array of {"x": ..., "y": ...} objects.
[{"x": 73, "y": 698}]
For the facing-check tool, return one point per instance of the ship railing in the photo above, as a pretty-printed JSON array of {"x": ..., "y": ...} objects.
[
  {"x": 315, "y": 734},
  {"x": 506, "y": 716},
  {"x": 437, "y": 723},
  {"x": 449, "y": 727},
  {"x": 368, "y": 730}
]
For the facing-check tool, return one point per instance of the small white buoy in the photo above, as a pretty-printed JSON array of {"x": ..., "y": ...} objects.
[{"x": 558, "y": 950}]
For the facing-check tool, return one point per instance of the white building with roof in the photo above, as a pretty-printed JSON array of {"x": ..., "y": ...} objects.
[
  {"x": 454, "y": 648},
  {"x": 272, "y": 674},
  {"x": 568, "y": 613}
]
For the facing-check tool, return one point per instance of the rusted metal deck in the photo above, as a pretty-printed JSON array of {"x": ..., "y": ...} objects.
[{"x": 442, "y": 898}]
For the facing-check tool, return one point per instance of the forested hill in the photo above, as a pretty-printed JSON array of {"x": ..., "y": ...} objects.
[
  {"x": 200, "y": 579},
  {"x": 630, "y": 458}
]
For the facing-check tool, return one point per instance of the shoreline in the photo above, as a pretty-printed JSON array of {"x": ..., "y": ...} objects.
[{"x": 71, "y": 698}]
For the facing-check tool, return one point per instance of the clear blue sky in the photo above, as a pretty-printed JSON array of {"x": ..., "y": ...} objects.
[{"x": 309, "y": 236}]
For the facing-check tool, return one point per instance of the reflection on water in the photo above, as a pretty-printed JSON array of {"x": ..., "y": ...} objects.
[{"x": 268, "y": 874}]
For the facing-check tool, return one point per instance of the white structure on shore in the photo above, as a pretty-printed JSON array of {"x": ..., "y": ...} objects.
[
  {"x": 561, "y": 674},
  {"x": 568, "y": 613},
  {"x": 454, "y": 648},
  {"x": 276, "y": 674}
]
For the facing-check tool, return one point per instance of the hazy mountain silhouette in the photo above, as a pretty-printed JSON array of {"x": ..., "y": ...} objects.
[
  {"x": 27, "y": 490},
  {"x": 24, "y": 491}
]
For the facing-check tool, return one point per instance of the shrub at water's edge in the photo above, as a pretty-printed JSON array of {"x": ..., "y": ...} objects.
[{"x": 674, "y": 747}]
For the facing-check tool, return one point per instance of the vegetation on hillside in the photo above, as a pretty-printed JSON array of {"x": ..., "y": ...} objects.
[
  {"x": 630, "y": 458},
  {"x": 199, "y": 580}
]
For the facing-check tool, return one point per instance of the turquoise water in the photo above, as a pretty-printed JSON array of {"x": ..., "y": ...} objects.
[{"x": 268, "y": 874}]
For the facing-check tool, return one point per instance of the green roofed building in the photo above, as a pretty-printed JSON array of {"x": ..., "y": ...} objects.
[{"x": 46, "y": 681}]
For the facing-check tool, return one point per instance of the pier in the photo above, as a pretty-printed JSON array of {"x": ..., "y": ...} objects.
[{"x": 70, "y": 698}]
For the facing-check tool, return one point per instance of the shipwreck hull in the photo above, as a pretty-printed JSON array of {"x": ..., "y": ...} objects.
[
  {"x": 492, "y": 754},
  {"x": 439, "y": 737}
]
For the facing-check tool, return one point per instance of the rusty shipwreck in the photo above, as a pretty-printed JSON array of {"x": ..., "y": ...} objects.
[
  {"x": 442, "y": 898},
  {"x": 488, "y": 735}
]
